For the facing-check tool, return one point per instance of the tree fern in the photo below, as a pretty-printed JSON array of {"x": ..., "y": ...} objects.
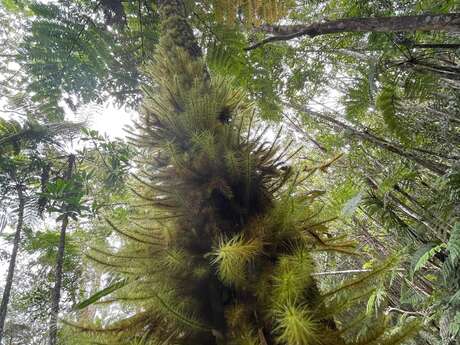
[{"x": 232, "y": 237}]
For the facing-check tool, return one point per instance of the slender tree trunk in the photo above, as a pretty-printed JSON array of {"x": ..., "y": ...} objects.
[
  {"x": 12, "y": 265},
  {"x": 58, "y": 282},
  {"x": 434, "y": 45},
  {"x": 435, "y": 167},
  {"x": 56, "y": 296},
  {"x": 441, "y": 22}
]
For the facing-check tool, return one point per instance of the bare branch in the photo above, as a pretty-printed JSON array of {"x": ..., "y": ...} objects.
[{"x": 449, "y": 22}]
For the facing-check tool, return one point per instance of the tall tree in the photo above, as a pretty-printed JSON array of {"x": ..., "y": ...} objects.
[
  {"x": 20, "y": 161},
  {"x": 12, "y": 264},
  {"x": 223, "y": 246},
  {"x": 95, "y": 185},
  {"x": 56, "y": 295}
]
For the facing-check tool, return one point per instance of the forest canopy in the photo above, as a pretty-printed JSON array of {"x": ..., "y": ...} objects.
[{"x": 290, "y": 173}]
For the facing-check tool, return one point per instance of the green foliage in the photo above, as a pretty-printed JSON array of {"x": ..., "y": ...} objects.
[
  {"x": 295, "y": 325},
  {"x": 30, "y": 300},
  {"x": 375, "y": 300},
  {"x": 220, "y": 242},
  {"x": 15, "y": 136},
  {"x": 46, "y": 244},
  {"x": 257, "y": 72},
  {"x": 65, "y": 196},
  {"x": 455, "y": 326},
  {"x": 424, "y": 254},
  {"x": 358, "y": 100},
  {"x": 249, "y": 12},
  {"x": 387, "y": 102},
  {"x": 78, "y": 53},
  {"x": 220, "y": 249},
  {"x": 12, "y": 5},
  {"x": 233, "y": 256}
]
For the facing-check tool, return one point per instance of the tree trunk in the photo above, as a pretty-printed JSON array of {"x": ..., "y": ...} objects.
[
  {"x": 58, "y": 282},
  {"x": 56, "y": 296},
  {"x": 176, "y": 28},
  {"x": 435, "y": 167},
  {"x": 12, "y": 265},
  {"x": 449, "y": 22}
]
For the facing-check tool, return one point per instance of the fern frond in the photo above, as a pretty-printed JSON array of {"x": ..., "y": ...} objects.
[
  {"x": 424, "y": 254},
  {"x": 130, "y": 236},
  {"x": 125, "y": 324},
  {"x": 404, "y": 333},
  {"x": 232, "y": 256},
  {"x": 181, "y": 316},
  {"x": 364, "y": 279}
]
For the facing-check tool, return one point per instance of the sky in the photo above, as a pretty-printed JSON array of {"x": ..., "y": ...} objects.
[{"x": 106, "y": 118}]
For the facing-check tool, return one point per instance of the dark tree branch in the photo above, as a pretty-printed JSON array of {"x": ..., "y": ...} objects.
[
  {"x": 436, "y": 45},
  {"x": 436, "y": 167},
  {"x": 442, "y": 22}
]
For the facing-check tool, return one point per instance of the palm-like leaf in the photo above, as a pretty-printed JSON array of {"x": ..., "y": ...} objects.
[{"x": 14, "y": 135}]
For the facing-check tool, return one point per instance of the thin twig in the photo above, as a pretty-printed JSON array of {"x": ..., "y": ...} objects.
[{"x": 330, "y": 273}]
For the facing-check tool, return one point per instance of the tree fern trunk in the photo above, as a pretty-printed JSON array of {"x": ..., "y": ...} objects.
[
  {"x": 175, "y": 26},
  {"x": 178, "y": 32},
  {"x": 56, "y": 296},
  {"x": 12, "y": 265}
]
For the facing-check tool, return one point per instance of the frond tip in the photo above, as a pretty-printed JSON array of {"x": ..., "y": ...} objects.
[
  {"x": 295, "y": 325},
  {"x": 232, "y": 257},
  {"x": 292, "y": 276}
]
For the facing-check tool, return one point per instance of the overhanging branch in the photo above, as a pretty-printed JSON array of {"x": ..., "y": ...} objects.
[{"x": 449, "y": 22}]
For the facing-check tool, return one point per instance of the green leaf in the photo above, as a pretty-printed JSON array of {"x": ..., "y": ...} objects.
[
  {"x": 11, "y": 5},
  {"x": 98, "y": 295},
  {"x": 371, "y": 302},
  {"x": 424, "y": 254},
  {"x": 375, "y": 300}
]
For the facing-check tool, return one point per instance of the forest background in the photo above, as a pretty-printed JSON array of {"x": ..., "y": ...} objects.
[{"x": 368, "y": 112}]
